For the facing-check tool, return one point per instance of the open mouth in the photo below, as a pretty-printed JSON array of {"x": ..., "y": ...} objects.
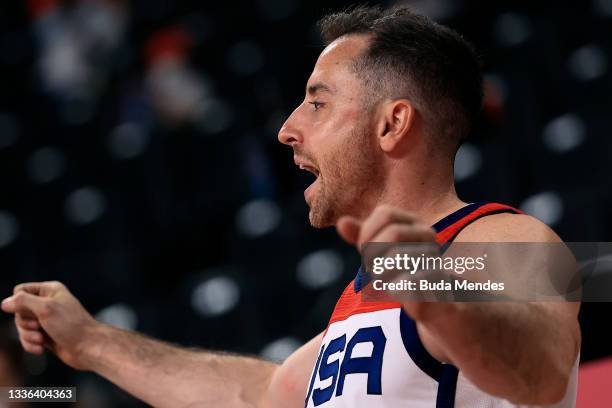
[{"x": 311, "y": 169}]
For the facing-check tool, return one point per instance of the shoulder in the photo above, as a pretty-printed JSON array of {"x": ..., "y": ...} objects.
[{"x": 506, "y": 227}]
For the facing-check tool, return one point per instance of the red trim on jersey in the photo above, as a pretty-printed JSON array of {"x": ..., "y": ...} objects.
[
  {"x": 452, "y": 230},
  {"x": 350, "y": 304}
]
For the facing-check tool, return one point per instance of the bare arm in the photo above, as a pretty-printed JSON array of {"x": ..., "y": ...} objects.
[
  {"x": 164, "y": 375},
  {"x": 521, "y": 351},
  {"x": 158, "y": 373},
  {"x": 200, "y": 378}
]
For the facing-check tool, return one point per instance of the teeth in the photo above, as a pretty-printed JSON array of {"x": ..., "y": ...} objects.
[{"x": 309, "y": 169}]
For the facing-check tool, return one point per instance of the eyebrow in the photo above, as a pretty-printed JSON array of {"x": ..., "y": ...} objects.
[{"x": 318, "y": 87}]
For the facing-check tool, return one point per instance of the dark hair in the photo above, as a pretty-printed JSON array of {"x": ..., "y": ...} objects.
[{"x": 418, "y": 59}]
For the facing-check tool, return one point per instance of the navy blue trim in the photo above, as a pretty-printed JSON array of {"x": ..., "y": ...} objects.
[
  {"x": 314, "y": 376},
  {"x": 415, "y": 348},
  {"x": 450, "y": 240},
  {"x": 361, "y": 279},
  {"x": 445, "y": 374},
  {"x": 447, "y": 387},
  {"x": 452, "y": 218}
]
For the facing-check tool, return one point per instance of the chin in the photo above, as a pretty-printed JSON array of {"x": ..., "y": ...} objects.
[
  {"x": 317, "y": 223},
  {"x": 322, "y": 218},
  {"x": 324, "y": 210}
]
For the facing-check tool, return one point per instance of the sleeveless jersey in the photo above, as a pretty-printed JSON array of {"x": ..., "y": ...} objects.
[{"x": 371, "y": 354}]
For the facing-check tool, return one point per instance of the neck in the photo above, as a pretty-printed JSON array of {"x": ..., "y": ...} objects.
[{"x": 427, "y": 191}]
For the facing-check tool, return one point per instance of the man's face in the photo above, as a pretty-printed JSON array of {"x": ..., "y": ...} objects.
[{"x": 332, "y": 136}]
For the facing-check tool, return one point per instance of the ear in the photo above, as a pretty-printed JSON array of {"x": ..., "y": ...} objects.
[{"x": 396, "y": 120}]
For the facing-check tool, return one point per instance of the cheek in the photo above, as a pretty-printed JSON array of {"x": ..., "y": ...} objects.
[
  {"x": 336, "y": 142},
  {"x": 336, "y": 133},
  {"x": 338, "y": 157},
  {"x": 339, "y": 119}
]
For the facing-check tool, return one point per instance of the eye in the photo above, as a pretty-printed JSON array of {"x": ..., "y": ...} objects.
[{"x": 316, "y": 105}]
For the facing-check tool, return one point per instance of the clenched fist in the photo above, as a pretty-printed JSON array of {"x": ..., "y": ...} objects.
[{"x": 48, "y": 315}]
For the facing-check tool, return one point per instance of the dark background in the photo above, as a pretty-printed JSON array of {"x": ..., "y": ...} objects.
[{"x": 139, "y": 163}]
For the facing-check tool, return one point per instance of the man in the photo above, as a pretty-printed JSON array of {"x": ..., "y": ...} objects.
[{"x": 386, "y": 107}]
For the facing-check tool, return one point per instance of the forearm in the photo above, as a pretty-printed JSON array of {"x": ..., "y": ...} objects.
[
  {"x": 518, "y": 351},
  {"x": 167, "y": 376}
]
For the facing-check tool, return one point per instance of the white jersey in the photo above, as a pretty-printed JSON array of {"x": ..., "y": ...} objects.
[{"x": 371, "y": 354}]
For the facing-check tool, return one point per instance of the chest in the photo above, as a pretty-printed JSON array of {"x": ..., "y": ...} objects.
[{"x": 363, "y": 361}]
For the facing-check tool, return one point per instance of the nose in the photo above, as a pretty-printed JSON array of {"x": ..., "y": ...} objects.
[{"x": 288, "y": 133}]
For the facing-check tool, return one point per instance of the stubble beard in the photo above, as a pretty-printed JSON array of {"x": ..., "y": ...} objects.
[{"x": 352, "y": 178}]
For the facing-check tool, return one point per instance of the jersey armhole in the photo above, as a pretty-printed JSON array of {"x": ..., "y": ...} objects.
[{"x": 445, "y": 375}]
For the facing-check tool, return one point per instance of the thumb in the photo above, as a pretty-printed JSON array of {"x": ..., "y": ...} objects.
[
  {"x": 348, "y": 228},
  {"x": 25, "y": 303}
]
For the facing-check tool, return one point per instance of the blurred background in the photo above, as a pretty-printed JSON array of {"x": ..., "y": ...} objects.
[{"x": 139, "y": 162}]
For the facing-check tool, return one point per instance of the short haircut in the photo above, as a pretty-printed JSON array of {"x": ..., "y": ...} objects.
[{"x": 410, "y": 56}]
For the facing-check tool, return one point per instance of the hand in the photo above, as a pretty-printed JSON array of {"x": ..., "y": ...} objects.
[
  {"x": 385, "y": 224},
  {"x": 388, "y": 224},
  {"x": 48, "y": 315}
]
